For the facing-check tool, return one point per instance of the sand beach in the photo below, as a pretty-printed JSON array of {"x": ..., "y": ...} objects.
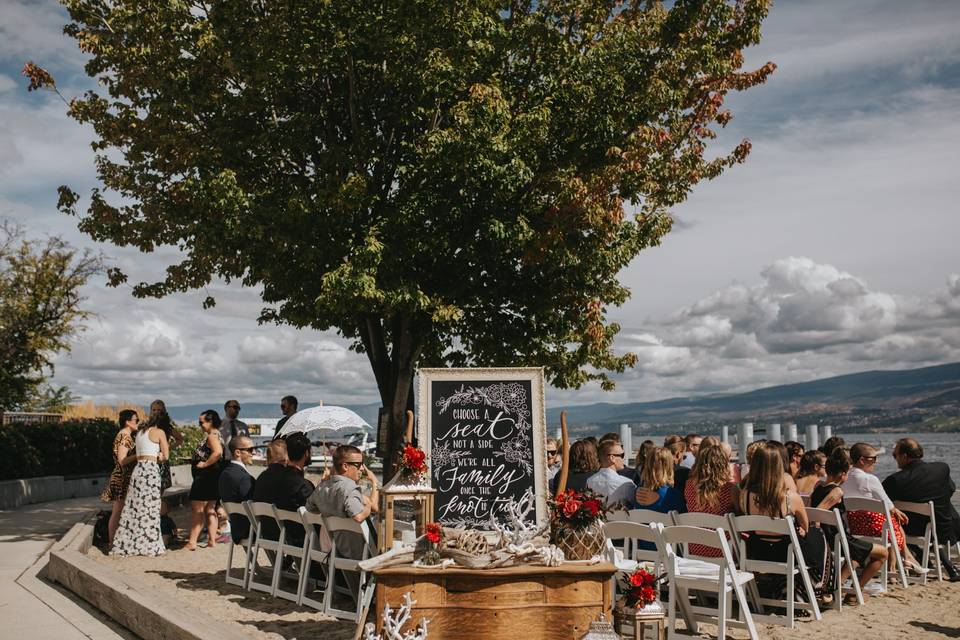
[{"x": 195, "y": 580}]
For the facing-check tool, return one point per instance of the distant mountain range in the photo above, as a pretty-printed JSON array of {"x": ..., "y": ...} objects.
[{"x": 921, "y": 398}]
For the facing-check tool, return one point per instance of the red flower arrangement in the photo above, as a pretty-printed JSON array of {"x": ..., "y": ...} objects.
[
  {"x": 434, "y": 533},
  {"x": 414, "y": 460},
  {"x": 640, "y": 589},
  {"x": 578, "y": 508}
]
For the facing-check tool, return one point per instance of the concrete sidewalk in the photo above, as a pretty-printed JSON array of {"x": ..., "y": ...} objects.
[{"x": 31, "y": 607}]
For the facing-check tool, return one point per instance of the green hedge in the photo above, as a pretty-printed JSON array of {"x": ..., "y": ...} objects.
[
  {"x": 191, "y": 438},
  {"x": 77, "y": 447}
]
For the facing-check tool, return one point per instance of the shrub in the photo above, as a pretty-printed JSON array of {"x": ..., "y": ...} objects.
[
  {"x": 192, "y": 436},
  {"x": 74, "y": 447}
]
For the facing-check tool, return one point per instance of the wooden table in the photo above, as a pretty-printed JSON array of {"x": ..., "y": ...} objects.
[{"x": 527, "y": 602}]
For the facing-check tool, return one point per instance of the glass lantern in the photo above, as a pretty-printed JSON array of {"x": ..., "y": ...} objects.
[{"x": 405, "y": 511}]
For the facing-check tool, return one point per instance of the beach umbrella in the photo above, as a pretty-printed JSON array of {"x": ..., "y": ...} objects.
[{"x": 327, "y": 420}]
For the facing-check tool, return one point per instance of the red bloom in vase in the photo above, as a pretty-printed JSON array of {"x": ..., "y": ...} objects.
[
  {"x": 434, "y": 533},
  {"x": 592, "y": 507},
  {"x": 637, "y": 579},
  {"x": 570, "y": 508}
]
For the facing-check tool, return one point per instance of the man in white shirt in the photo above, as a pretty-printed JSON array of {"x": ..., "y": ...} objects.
[
  {"x": 553, "y": 459},
  {"x": 607, "y": 481}
]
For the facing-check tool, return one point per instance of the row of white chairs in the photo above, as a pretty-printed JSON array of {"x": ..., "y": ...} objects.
[
  {"x": 316, "y": 554},
  {"x": 667, "y": 531}
]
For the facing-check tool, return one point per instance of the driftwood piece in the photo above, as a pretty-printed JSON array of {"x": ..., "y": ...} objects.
[
  {"x": 565, "y": 452},
  {"x": 393, "y": 557}
]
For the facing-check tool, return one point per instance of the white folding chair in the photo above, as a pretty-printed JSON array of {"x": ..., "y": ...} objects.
[
  {"x": 887, "y": 537},
  {"x": 929, "y": 540},
  {"x": 239, "y": 510},
  {"x": 631, "y": 533},
  {"x": 263, "y": 512},
  {"x": 337, "y": 527},
  {"x": 841, "y": 553},
  {"x": 704, "y": 521},
  {"x": 318, "y": 551},
  {"x": 719, "y": 575},
  {"x": 790, "y": 567},
  {"x": 287, "y": 548},
  {"x": 649, "y": 516}
]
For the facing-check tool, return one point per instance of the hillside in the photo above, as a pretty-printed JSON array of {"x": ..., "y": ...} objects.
[{"x": 871, "y": 399}]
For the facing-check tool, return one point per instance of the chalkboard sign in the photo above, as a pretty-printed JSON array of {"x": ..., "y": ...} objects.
[{"x": 484, "y": 432}]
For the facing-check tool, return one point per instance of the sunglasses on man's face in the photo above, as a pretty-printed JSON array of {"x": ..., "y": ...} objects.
[
  {"x": 619, "y": 455},
  {"x": 356, "y": 465},
  {"x": 250, "y": 449},
  {"x": 552, "y": 452}
]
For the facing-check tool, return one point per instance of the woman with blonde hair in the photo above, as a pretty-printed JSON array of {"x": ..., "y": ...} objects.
[
  {"x": 710, "y": 490},
  {"x": 657, "y": 476}
]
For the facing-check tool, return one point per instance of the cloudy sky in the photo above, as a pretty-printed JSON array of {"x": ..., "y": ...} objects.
[{"x": 833, "y": 250}]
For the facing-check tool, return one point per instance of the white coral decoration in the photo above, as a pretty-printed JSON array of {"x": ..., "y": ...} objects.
[
  {"x": 518, "y": 528},
  {"x": 551, "y": 556},
  {"x": 393, "y": 623}
]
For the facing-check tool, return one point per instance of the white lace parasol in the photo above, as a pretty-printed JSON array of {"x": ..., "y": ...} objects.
[{"x": 325, "y": 418}]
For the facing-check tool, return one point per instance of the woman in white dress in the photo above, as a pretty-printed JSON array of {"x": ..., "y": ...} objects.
[{"x": 139, "y": 530}]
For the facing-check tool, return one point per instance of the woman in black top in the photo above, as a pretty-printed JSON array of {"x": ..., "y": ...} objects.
[
  {"x": 829, "y": 495},
  {"x": 584, "y": 462}
]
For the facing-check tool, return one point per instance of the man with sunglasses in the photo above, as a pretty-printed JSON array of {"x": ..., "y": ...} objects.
[
  {"x": 236, "y": 484},
  {"x": 340, "y": 495},
  {"x": 607, "y": 481},
  {"x": 553, "y": 458},
  {"x": 232, "y": 426}
]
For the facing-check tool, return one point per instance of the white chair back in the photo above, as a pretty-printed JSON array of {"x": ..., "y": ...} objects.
[
  {"x": 239, "y": 510},
  {"x": 632, "y": 533},
  {"x": 886, "y": 538},
  {"x": 337, "y": 527},
  {"x": 841, "y": 553},
  {"x": 792, "y": 564},
  {"x": 685, "y": 575},
  {"x": 927, "y": 542},
  {"x": 649, "y": 516},
  {"x": 262, "y": 512}
]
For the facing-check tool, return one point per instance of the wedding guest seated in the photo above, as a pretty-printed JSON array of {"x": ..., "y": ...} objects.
[
  {"x": 277, "y": 453},
  {"x": 658, "y": 480},
  {"x": 710, "y": 490},
  {"x": 607, "y": 481},
  {"x": 626, "y": 471},
  {"x": 340, "y": 495},
  {"x": 286, "y": 487},
  {"x": 680, "y": 473},
  {"x": 829, "y": 495},
  {"x": 645, "y": 447},
  {"x": 553, "y": 458},
  {"x": 583, "y": 464},
  {"x": 795, "y": 452},
  {"x": 692, "y": 442},
  {"x": 920, "y": 481},
  {"x": 811, "y": 472},
  {"x": 766, "y": 494},
  {"x": 236, "y": 483},
  {"x": 745, "y": 460},
  {"x": 789, "y": 476},
  {"x": 861, "y": 483},
  {"x": 831, "y": 444}
]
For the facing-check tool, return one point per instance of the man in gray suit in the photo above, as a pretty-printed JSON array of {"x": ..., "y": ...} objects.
[{"x": 231, "y": 425}]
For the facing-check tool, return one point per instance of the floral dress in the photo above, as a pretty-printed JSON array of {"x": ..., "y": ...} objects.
[
  {"x": 119, "y": 480},
  {"x": 139, "y": 531}
]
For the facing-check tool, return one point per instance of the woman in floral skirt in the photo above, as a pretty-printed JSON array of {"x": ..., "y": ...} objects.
[
  {"x": 139, "y": 530},
  {"x": 124, "y": 458}
]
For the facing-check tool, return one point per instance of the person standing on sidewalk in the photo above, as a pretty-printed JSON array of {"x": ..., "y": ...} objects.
[
  {"x": 124, "y": 458},
  {"x": 231, "y": 426}
]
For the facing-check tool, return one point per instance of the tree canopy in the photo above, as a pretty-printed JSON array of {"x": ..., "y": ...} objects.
[
  {"x": 441, "y": 182},
  {"x": 40, "y": 298}
]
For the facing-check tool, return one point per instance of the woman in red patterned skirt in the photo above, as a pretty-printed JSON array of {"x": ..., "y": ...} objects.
[{"x": 861, "y": 483}]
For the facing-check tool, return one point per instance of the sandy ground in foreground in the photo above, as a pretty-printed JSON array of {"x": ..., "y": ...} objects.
[{"x": 196, "y": 580}]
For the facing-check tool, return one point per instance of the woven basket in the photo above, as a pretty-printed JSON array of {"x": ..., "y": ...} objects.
[{"x": 578, "y": 543}]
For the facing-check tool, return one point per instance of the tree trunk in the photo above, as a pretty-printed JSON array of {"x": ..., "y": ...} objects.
[{"x": 394, "y": 370}]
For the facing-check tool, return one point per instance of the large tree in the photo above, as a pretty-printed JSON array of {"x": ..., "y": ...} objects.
[
  {"x": 40, "y": 310},
  {"x": 441, "y": 182}
]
